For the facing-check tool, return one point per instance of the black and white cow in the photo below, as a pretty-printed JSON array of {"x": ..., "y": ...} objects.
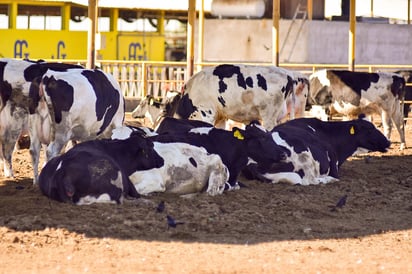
[
  {"x": 15, "y": 78},
  {"x": 242, "y": 93},
  {"x": 154, "y": 109},
  {"x": 352, "y": 93},
  {"x": 187, "y": 169},
  {"x": 316, "y": 150},
  {"x": 407, "y": 75},
  {"x": 236, "y": 147},
  {"x": 75, "y": 105},
  {"x": 98, "y": 171},
  {"x": 296, "y": 104}
]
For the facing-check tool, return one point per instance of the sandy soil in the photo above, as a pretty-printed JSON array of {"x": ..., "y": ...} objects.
[{"x": 263, "y": 228}]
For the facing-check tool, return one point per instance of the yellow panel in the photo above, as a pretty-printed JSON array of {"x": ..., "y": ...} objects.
[
  {"x": 40, "y": 44},
  {"x": 140, "y": 47}
]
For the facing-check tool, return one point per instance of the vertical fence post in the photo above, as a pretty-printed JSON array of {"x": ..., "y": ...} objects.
[{"x": 144, "y": 80}]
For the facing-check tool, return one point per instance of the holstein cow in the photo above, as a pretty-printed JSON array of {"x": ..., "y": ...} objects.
[
  {"x": 407, "y": 75},
  {"x": 296, "y": 104},
  {"x": 98, "y": 171},
  {"x": 78, "y": 105},
  {"x": 236, "y": 147},
  {"x": 15, "y": 79},
  {"x": 186, "y": 169},
  {"x": 242, "y": 93},
  {"x": 155, "y": 109},
  {"x": 352, "y": 93},
  {"x": 317, "y": 149}
]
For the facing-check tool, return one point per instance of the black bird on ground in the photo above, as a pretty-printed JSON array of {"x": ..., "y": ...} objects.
[
  {"x": 171, "y": 222},
  {"x": 160, "y": 207},
  {"x": 340, "y": 203}
]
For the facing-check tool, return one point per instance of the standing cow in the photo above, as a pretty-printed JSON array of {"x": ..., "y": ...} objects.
[
  {"x": 351, "y": 93},
  {"x": 296, "y": 104},
  {"x": 242, "y": 93},
  {"x": 407, "y": 75},
  {"x": 15, "y": 79},
  {"x": 77, "y": 105}
]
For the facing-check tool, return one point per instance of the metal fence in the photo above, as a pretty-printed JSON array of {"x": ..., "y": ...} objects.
[{"x": 140, "y": 78}]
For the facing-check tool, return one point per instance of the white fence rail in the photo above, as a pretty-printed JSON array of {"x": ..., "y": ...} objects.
[{"x": 140, "y": 78}]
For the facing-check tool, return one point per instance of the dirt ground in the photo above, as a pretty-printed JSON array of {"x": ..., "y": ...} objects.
[{"x": 262, "y": 228}]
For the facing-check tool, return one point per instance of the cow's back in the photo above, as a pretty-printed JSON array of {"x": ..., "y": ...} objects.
[
  {"x": 87, "y": 102},
  {"x": 238, "y": 92}
]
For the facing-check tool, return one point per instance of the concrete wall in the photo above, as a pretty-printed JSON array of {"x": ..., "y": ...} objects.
[{"x": 239, "y": 40}]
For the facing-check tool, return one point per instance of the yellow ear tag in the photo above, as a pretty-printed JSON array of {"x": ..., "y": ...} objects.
[
  {"x": 238, "y": 135},
  {"x": 352, "y": 130},
  {"x": 151, "y": 101}
]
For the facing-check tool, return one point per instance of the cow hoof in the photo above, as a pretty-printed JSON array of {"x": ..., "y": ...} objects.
[
  {"x": 8, "y": 174},
  {"x": 229, "y": 187}
]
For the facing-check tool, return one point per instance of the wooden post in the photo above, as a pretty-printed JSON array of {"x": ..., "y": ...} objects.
[
  {"x": 352, "y": 35},
  {"x": 275, "y": 32},
  {"x": 91, "y": 34},
  {"x": 190, "y": 38}
]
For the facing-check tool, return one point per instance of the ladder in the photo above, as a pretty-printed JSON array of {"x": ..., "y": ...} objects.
[{"x": 300, "y": 14}]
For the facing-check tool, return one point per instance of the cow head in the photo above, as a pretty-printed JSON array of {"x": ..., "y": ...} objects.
[
  {"x": 366, "y": 136},
  {"x": 136, "y": 153},
  {"x": 51, "y": 184},
  {"x": 398, "y": 86},
  {"x": 260, "y": 145},
  {"x": 149, "y": 106}
]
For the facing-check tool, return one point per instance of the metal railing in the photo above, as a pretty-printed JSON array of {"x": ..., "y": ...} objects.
[{"x": 139, "y": 78}]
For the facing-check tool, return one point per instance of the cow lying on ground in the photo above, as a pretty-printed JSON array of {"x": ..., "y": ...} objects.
[
  {"x": 236, "y": 147},
  {"x": 352, "y": 93},
  {"x": 187, "y": 169},
  {"x": 97, "y": 171},
  {"x": 15, "y": 79},
  {"x": 317, "y": 149},
  {"x": 242, "y": 93},
  {"x": 77, "y": 105},
  {"x": 154, "y": 109}
]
